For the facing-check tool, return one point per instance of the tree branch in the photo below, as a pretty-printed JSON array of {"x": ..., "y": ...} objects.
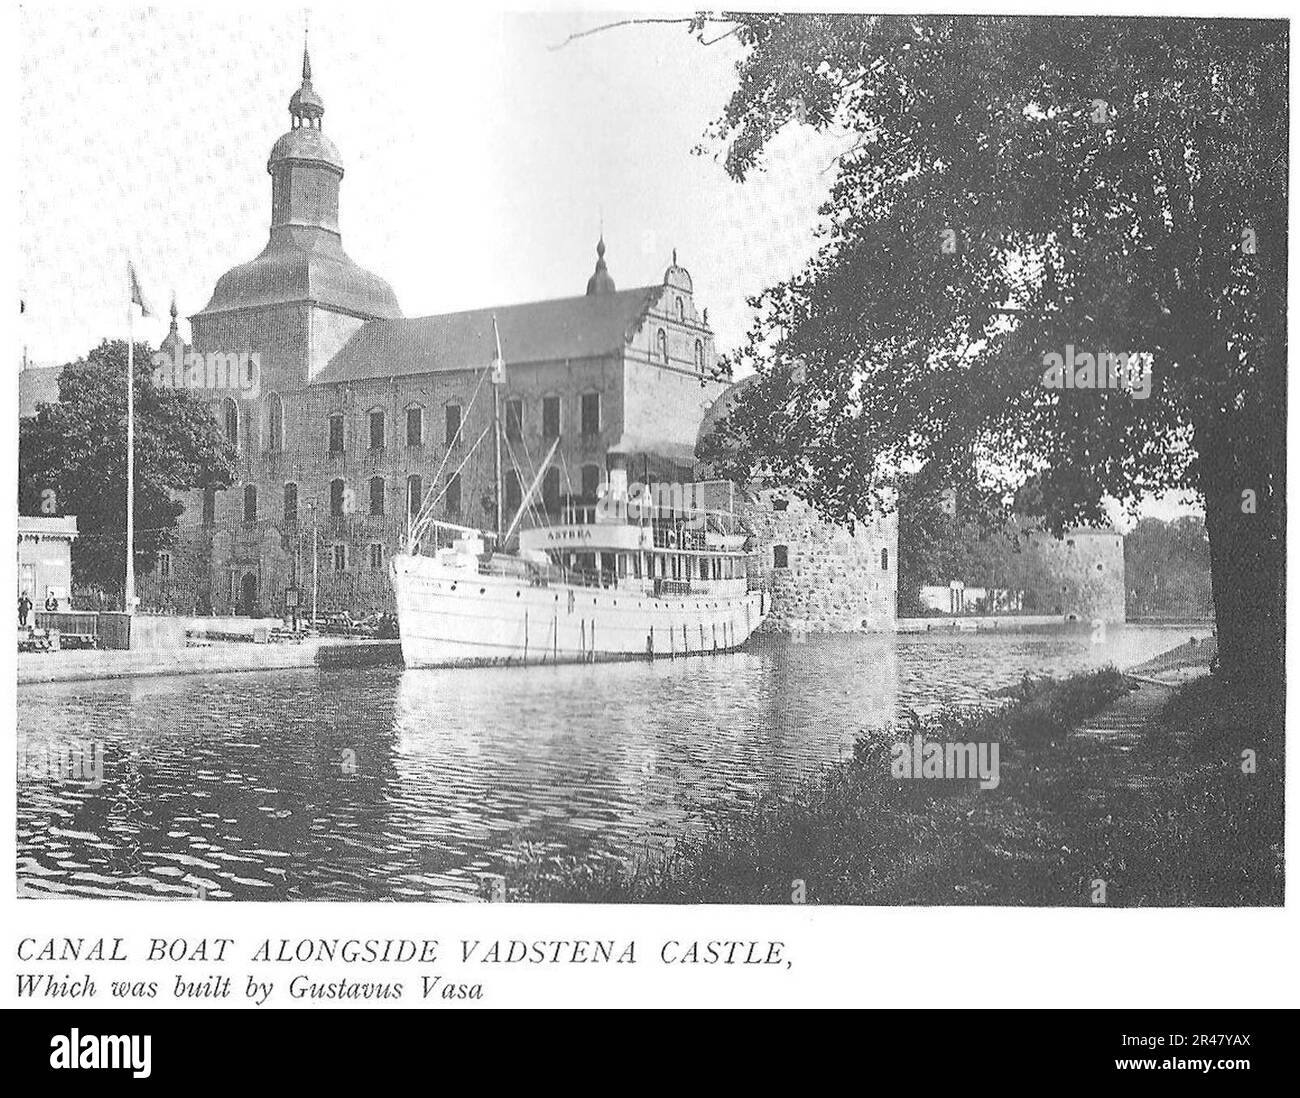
[{"x": 642, "y": 20}]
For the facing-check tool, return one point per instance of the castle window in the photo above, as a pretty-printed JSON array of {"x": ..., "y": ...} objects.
[
  {"x": 661, "y": 342},
  {"x": 290, "y": 503},
  {"x": 681, "y": 309},
  {"x": 164, "y": 565},
  {"x": 376, "y": 554},
  {"x": 514, "y": 493},
  {"x": 884, "y": 560},
  {"x": 451, "y": 436},
  {"x": 275, "y": 423},
  {"x": 590, "y": 482},
  {"x": 551, "y": 490},
  {"x": 340, "y": 558},
  {"x": 514, "y": 419},
  {"x": 453, "y": 494},
  {"x": 250, "y": 502},
  {"x": 376, "y": 495},
  {"x": 780, "y": 556},
  {"x": 377, "y": 430},
  {"x": 591, "y": 413},
  {"x": 415, "y": 426},
  {"x": 780, "y": 504},
  {"x": 230, "y": 419},
  {"x": 414, "y": 494},
  {"x": 1100, "y": 567},
  {"x": 336, "y": 497},
  {"x": 551, "y": 417},
  {"x": 336, "y": 433}
]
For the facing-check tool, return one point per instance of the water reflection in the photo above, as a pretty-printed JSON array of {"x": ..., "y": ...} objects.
[{"x": 390, "y": 784}]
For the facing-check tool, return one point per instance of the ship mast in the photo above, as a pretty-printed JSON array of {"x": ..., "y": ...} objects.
[{"x": 498, "y": 379}]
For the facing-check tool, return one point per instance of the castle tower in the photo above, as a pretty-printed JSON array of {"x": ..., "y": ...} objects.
[
  {"x": 305, "y": 168},
  {"x": 304, "y": 290}
]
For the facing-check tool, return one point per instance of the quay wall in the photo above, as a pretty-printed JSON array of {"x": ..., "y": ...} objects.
[{"x": 217, "y": 658}]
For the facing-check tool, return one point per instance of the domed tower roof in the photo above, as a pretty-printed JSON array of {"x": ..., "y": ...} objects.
[
  {"x": 600, "y": 281},
  {"x": 304, "y": 260},
  {"x": 305, "y": 141}
]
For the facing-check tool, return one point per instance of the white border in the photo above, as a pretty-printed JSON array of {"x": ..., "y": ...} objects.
[{"x": 885, "y": 957}]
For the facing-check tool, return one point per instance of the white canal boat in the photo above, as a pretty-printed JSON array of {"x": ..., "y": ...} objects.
[{"x": 652, "y": 573}]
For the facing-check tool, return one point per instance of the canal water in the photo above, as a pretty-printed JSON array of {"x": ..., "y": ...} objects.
[{"x": 384, "y": 783}]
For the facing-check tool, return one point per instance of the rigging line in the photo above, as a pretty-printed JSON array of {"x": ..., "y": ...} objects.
[
  {"x": 533, "y": 506},
  {"x": 460, "y": 428},
  {"x": 421, "y": 519},
  {"x": 455, "y": 439},
  {"x": 568, "y": 480},
  {"x": 447, "y": 483}
]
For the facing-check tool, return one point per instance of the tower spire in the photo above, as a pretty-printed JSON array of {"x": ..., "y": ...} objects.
[
  {"x": 600, "y": 281},
  {"x": 306, "y": 107}
]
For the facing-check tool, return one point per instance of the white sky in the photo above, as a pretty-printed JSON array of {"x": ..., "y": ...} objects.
[{"x": 479, "y": 159}]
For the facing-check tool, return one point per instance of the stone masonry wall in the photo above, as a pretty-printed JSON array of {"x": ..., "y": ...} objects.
[{"x": 833, "y": 581}]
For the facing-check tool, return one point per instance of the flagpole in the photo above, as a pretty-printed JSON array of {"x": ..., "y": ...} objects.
[
  {"x": 498, "y": 379},
  {"x": 130, "y": 460}
]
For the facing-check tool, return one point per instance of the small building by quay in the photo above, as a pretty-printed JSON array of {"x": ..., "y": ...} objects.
[{"x": 45, "y": 557}]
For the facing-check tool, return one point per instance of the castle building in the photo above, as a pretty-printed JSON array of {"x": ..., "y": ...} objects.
[{"x": 360, "y": 411}]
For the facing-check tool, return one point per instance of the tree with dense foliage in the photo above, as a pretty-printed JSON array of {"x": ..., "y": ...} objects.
[
  {"x": 1167, "y": 567},
  {"x": 1013, "y": 188},
  {"x": 72, "y": 460}
]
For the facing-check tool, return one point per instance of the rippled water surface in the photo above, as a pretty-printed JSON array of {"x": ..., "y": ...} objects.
[{"x": 391, "y": 784}]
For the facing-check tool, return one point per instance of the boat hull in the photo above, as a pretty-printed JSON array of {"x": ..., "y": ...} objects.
[{"x": 453, "y": 616}]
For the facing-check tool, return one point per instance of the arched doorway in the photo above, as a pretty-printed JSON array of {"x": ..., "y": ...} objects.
[{"x": 248, "y": 595}]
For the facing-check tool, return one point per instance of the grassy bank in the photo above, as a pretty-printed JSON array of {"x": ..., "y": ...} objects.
[{"x": 1162, "y": 815}]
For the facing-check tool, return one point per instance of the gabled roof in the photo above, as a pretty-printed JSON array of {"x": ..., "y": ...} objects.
[{"x": 540, "y": 331}]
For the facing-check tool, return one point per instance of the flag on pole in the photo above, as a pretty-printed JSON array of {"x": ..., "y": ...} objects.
[{"x": 137, "y": 295}]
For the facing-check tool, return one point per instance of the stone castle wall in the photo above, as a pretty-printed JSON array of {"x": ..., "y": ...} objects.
[
  {"x": 823, "y": 578},
  {"x": 1080, "y": 575}
]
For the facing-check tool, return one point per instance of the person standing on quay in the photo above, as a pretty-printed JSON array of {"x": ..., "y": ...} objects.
[{"x": 24, "y": 608}]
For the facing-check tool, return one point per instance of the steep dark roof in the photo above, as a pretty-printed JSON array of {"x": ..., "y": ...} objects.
[
  {"x": 540, "y": 331},
  {"x": 303, "y": 264}
]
